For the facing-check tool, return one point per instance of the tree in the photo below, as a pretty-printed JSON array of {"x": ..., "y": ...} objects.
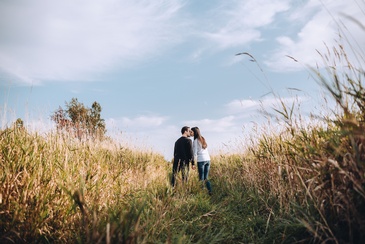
[
  {"x": 79, "y": 120},
  {"x": 19, "y": 124},
  {"x": 95, "y": 121}
]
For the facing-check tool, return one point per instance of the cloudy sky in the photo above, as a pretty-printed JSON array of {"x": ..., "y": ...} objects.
[{"x": 155, "y": 66}]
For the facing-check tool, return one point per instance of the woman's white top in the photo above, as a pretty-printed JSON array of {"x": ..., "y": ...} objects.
[{"x": 199, "y": 153}]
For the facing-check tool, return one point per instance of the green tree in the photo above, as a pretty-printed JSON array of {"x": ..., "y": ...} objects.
[
  {"x": 96, "y": 123},
  {"x": 19, "y": 124},
  {"x": 80, "y": 120}
]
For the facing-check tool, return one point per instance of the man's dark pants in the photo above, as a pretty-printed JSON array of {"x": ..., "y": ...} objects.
[{"x": 178, "y": 166}]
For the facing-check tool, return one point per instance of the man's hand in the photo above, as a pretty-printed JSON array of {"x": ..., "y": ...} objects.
[{"x": 193, "y": 167}]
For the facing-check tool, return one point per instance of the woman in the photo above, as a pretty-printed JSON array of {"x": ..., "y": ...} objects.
[{"x": 200, "y": 150}]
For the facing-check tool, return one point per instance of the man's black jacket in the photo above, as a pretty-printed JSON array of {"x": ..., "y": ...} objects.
[{"x": 183, "y": 150}]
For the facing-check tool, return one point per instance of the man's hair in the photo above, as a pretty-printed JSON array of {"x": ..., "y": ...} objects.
[{"x": 185, "y": 128}]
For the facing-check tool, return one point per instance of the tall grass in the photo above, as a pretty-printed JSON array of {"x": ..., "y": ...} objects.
[
  {"x": 59, "y": 189},
  {"x": 309, "y": 179},
  {"x": 55, "y": 188},
  {"x": 303, "y": 184}
]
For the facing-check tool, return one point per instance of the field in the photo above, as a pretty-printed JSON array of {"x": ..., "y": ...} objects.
[{"x": 304, "y": 184}]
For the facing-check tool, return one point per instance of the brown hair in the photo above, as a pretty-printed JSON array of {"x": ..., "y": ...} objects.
[{"x": 201, "y": 139}]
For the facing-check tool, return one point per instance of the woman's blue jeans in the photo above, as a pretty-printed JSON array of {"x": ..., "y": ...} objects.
[{"x": 203, "y": 170}]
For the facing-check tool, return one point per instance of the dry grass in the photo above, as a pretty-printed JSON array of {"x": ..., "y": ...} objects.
[
  {"x": 311, "y": 176},
  {"x": 59, "y": 189},
  {"x": 302, "y": 184}
]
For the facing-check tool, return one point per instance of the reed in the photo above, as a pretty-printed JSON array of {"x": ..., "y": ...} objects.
[
  {"x": 304, "y": 183},
  {"x": 309, "y": 178}
]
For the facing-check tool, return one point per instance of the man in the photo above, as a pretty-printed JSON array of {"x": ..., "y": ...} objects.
[{"x": 183, "y": 155}]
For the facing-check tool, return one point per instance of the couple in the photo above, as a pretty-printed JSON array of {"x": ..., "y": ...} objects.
[{"x": 185, "y": 152}]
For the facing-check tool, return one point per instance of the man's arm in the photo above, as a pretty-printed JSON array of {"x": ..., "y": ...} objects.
[
  {"x": 190, "y": 150},
  {"x": 175, "y": 150}
]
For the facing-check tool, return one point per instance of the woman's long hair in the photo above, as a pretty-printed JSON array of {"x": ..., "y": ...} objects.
[{"x": 200, "y": 138}]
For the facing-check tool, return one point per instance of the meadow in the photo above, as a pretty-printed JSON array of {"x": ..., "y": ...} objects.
[{"x": 302, "y": 184}]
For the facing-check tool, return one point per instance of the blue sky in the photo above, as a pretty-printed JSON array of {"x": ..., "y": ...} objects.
[{"x": 155, "y": 66}]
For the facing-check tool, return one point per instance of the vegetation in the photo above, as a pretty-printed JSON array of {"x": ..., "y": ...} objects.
[
  {"x": 303, "y": 184},
  {"x": 80, "y": 121}
]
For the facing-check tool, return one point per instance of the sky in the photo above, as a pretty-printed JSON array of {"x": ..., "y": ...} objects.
[{"x": 156, "y": 66}]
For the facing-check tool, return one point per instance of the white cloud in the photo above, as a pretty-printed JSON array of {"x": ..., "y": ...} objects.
[
  {"x": 155, "y": 132},
  {"x": 246, "y": 108},
  {"x": 73, "y": 40},
  {"x": 143, "y": 132},
  {"x": 237, "y": 106},
  {"x": 214, "y": 125},
  {"x": 239, "y": 25},
  {"x": 321, "y": 22},
  {"x": 220, "y": 133},
  {"x": 286, "y": 101},
  {"x": 137, "y": 123},
  {"x": 229, "y": 133}
]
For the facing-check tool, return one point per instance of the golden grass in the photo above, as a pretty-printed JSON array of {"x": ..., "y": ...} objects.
[
  {"x": 304, "y": 183},
  {"x": 46, "y": 181}
]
